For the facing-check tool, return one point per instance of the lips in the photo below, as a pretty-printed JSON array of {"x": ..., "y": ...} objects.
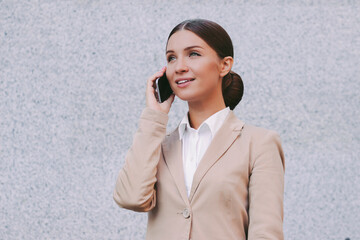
[{"x": 183, "y": 80}]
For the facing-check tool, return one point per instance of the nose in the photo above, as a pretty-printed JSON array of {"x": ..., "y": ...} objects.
[{"x": 181, "y": 65}]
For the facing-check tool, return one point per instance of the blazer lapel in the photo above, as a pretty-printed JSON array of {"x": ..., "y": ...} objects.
[
  {"x": 172, "y": 150},
  {"x": 223, "y": 139}
]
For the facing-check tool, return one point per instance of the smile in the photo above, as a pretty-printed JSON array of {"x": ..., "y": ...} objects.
[{"x": 182, "y": 81}]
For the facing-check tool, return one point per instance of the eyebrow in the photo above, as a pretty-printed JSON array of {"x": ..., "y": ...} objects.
[{"x": 187, "y": 48}]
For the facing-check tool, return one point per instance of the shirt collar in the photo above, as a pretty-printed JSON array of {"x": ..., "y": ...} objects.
[{"x": 214, "y": 122}]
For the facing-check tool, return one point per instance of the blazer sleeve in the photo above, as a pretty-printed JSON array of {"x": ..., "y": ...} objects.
[
  {"x": 266, "y": 188},
  {"x": 135, "y": 184}
]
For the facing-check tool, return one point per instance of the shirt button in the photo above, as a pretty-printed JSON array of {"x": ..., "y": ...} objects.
[{"x": 186, "y": 213}]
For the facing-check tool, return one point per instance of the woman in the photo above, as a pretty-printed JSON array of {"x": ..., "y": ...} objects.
[{"x": 214, "y": 177}]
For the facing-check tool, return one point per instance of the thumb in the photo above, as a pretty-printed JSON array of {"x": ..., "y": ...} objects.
[
  {"x": 171, "y": 99},
  {"x": 168, "y": 102}
]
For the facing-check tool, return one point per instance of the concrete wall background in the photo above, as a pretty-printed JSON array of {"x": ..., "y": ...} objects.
[{"x": 72, "y": 82}]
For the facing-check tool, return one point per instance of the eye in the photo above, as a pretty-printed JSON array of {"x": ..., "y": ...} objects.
[
  {"x": 194, "y": 54},
  {"x": 170, "y": 58}
]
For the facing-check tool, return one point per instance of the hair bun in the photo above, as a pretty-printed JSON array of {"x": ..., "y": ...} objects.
[{"x": 232, "y": 89}]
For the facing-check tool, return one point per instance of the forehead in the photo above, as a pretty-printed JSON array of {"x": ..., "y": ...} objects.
[{"x": 184, "y": 38}]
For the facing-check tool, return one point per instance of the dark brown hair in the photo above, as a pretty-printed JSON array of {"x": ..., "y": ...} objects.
[{"x": 219, "y": 40}]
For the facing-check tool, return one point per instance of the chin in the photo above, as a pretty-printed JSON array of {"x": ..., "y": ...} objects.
[{"x": 188, "y": 97}]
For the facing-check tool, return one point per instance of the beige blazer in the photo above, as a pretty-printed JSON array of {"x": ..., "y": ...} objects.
[{"x": 237, "y": 190}]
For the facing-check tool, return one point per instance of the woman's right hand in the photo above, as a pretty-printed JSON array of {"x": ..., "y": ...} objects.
[{"x": 151, "y": 100}]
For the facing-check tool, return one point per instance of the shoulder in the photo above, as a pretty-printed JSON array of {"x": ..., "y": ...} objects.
[
  {"x": 256, "y": 133},
  {"x": 260, "y": 139},
  {"x": 264, "y": 147},
  {"x": 251, "y": 132}
]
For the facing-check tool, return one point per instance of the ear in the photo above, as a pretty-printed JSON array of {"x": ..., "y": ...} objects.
[{"x": 226, "y": 65}]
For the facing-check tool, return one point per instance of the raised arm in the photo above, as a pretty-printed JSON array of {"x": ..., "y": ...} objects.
[
  {"x": 135, "y": 183},
  {"x": 134, "y": 187}
]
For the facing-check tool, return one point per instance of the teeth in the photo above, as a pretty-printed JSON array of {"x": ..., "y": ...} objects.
[{"x": 182, "y": 81}]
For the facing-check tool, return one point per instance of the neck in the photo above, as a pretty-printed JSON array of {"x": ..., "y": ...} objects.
[{"x": 202, "y": 110}]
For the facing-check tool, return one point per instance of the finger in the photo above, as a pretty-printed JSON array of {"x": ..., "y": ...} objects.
[
  {"x": 151, "y": 94},
  {"x": 170, "y": 100},
  {"x": 151, "y": 80},
  {"x": 156, "y": 75}
]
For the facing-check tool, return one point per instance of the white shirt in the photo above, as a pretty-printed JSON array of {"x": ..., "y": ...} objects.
[{"x": 196, "y": 141}]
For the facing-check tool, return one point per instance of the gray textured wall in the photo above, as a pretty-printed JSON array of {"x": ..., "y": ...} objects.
[{"x": 72, "y": 82}]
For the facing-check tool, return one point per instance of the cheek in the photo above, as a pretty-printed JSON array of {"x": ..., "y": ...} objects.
[{"x": 208, "y": 69}]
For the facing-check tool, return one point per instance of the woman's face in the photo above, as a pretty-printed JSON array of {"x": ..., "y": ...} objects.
[{"x": 193, "y": 68}]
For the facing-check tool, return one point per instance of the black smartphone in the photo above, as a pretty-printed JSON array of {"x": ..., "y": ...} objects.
[{"x": 163, "y": 89}]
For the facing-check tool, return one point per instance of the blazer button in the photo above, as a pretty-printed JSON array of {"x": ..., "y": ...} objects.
[{"x": 186, "y": 213}]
